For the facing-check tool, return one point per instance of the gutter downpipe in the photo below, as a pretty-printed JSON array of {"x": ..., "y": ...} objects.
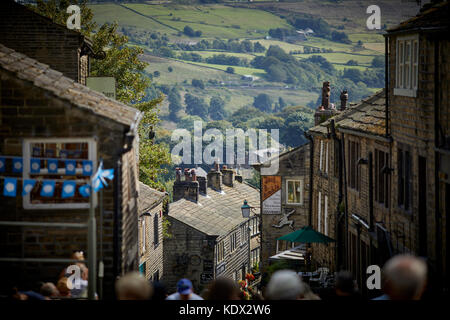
[
  {"x": 311, "y": 170},
  {"x": 438, "y": 232},
  {"x": 386, "y": 81},
  {"x": 129, "y": 138},
  {"x": 344, "y": 174},
  {"x": 340, "y": 195}
]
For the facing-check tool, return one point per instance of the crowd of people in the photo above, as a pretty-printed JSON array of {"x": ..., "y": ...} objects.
[
  {"x": 404, "y": 277},
  {"x": 65, "y": 287}
]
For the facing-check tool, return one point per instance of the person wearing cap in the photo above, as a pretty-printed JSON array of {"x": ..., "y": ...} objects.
[{"x": 184, "y": 291}]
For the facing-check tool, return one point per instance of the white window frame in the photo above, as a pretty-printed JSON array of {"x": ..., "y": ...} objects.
[
  {"x": 26, "y": 155},
  {"x": 319, "y": 212},
  {"x": 321, "y": 155},
  {"x": 325, "y": 214},
  {"x": 326, "y": 158},
  {"x": 406, "y": 83},
  {"x": 301, "y": 191},
  {"x": 143, "y": 235}
]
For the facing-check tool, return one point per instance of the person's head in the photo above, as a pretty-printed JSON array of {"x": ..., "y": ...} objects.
[
  {"x": 133, "y": 286},
  {"x": 77, "y": 255},
  {"x": 62, "y": 287},
  {"x": 49, "y": 290},
  {"x": 285, "y": 285},
  {"x": 404, "y": 277},
  {"x": 344, "y": 284},
  {"x": 184, "y": 288},
  {"x": 222, "y": 289}
]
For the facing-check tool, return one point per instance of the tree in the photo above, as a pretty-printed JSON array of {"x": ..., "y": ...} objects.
[
  {"x": 281, "y": 103},
  {"x": 122, "y": 63},
  {"x": 230, "y": 70},
  {"x": 378, "y": 62},
  {"x": 189, "y": 31},
  {"x": 217, "y": 108},
  {"x": 198, "y": 83},
  {"x": 170, "y": 69},
  {"x": 196, "y": 106},
  {"x": 263, "y": 102},
  {"x": 174, "y": 104}
]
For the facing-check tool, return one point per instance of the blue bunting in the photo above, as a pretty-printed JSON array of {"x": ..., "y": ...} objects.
[
  {"x": 2, "y": 164},
  {"x": 17, "y": 165},
  {"x": 28, "y": 185},
  {"x": 48, "y": 188},
  {"x": 68, "y": 189},
  {"x": 10, "y": 187},
  {"x": 85, "y": 190},
  {"x": 87, "y": 168},
  {"x": 71, "y": 166},
  {"x": 52, "y": 166},
  {"x": 35, "y": 165}
]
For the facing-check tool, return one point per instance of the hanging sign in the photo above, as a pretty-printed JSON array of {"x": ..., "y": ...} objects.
[{"x": 271, "y": 194}]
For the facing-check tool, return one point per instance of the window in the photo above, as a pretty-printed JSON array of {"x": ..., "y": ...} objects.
[
  {"x": 326, "y": 158},
  {"x": 220, "y": 249},
  {"x": 354, "y": 153},
  {"x": 156, "y": 229},
  {"x": 143, "y": 236},
  {"x": 254, "y": 226},
  {"x": 294, "y": 191},
  {"x": 325, "y": 215},
  {"x": 156, "y": 276},
  {"x": 321, "y": 155},
  {"x": 319, "y": 212},
  {"x": 407, "y": 71},
  {"x": 69, "y": 156},
  {"x": 244, "y": 233},
  {"x": 404, "y": 179},
  {"x": 336, "y": 159},
  {"x": 381, "y": 178},
  {"x": 233, "y": 241}
]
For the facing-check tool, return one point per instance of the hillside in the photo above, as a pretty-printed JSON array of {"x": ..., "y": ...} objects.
[{"x": 241, "y": 51}]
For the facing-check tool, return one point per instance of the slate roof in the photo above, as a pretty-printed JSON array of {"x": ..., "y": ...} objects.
[
  {"x": 42, "y": 76},
  {"x": 367, "y": 116},
  {"x": 217, "y": 213},
  {"x": 435, "y": 16},
  {"x": 149, "y": 197}
]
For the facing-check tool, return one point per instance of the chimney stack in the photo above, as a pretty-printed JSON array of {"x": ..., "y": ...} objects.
[
  {"x": 227, "y": 176},
  {"x": 215, "y": 177},
  {"x": 187, "y": 189},
  {"x": 344, "y": 99},
  {"x": 202, "y": 185},
  {"x": 326, "y": 109}
]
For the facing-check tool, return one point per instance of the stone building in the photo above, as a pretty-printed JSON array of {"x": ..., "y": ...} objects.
[
  {"x": 44, "y": 114},
  {"x": 152, "y": 204},
  {"x": 38, "y": 37},
  {"x": 381, "y": 167},
  {"x": 419, "y": 124},
  {"x": 293, "y": 201},
  {"x": 351, "y": 153},
  {"x": 207, "y": 234}
]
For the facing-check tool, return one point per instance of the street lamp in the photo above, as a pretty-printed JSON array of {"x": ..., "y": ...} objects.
[{"x": 245, "y": 209}]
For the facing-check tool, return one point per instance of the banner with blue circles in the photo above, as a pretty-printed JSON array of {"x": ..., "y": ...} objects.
[{"x": 47, "y": 187}]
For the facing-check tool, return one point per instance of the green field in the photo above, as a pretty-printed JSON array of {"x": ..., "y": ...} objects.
[
  {"x": 213, "y": 20},
  {"x": 340, "y": 58},
  {"x": 238, "y": 70}
]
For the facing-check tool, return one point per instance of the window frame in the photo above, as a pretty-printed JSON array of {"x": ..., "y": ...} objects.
[
  {"x": 301, "y": 186},
  {"x": 407, "y": 58},
  {"x": 27, "y": 155},
  {"x": 156, "y": 230}
]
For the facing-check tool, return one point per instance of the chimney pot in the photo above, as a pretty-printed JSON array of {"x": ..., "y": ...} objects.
[{"x": 193, "y": 175}]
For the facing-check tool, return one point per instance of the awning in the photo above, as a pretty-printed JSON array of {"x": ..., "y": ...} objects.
[
  {"x": 306, "y": 235},
  {"x": 296, "y": 253}
]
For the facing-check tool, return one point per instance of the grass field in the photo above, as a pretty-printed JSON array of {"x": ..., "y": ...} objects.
[
  {"x": 238, "y": 70},
  {"x": 341, "y": 58},
  {"x": 213, "y": 20}
]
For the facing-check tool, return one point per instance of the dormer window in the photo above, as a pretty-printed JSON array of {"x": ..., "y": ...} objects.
[{"x": 407, "y": 66}]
